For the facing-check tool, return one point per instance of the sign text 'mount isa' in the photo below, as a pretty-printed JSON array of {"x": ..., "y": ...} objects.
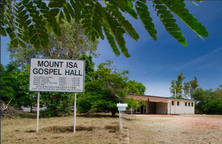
[{"x": 53, "y": 68}]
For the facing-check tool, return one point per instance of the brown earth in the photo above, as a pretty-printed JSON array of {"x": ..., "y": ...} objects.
[
  {"x": 103, "y": 129},
  {"x": 176, "y": 129}
]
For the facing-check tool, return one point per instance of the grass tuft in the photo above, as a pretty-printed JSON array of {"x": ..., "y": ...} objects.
[{"x": 66, "y": 129}]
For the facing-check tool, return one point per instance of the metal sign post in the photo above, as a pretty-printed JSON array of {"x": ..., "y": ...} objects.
[
  {"x": 74, "y": 128},
  {"x": 56, "y": 75},
  {"x": 121, "y": 107},
  {"x": 37, "y": 123},
  {"x": 120, "y": 121}
]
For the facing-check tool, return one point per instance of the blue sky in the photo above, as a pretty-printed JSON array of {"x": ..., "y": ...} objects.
[{"x": 156, "y": 63}]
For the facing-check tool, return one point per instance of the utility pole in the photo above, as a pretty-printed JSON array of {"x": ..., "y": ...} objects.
[
  {"x": 189, "y": 93},
  {"x": 175, "y": 93},
  {"x": 175, "y": 102}
]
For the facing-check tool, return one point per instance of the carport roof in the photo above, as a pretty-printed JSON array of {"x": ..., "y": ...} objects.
[
  {"x": 150, "y": 98},
  {"x": 155, "y": 98}
]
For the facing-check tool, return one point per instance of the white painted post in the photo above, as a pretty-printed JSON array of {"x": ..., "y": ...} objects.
[
  {"x": 189, "y": 93},
  {"x": 37, "y": 123},
  {"x": 174, "y": 102},
  {"x": 120, "y": 121},
  {"x": 174, "y": 107},
  {"x": 74, "y": 128},
  {"x": 175, "y": 93},
  {"x": 121, "y": 107}
]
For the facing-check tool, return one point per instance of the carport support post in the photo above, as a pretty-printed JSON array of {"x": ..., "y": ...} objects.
[
  {"x": 37, "y": 122},
  {"x": 74, "y": 128}
]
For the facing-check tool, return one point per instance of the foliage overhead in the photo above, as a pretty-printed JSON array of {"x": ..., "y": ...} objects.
[
  {"x": 33, "y": 21},
  {"x": 72, "y": 44}
]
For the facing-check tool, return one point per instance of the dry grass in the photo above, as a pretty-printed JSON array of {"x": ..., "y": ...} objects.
[
  {"x": 93, "y": 129},
  {"x": 103, "y": 129}
]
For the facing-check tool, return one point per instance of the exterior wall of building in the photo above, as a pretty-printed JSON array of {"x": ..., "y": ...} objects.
[
  {"x": 147, "y": 107},
  {"x": 182, "y": 108},
  {"x": 163, "y": 105},
  {"x": 168, "y": 108},
  {"x": 161, "y": 108}
]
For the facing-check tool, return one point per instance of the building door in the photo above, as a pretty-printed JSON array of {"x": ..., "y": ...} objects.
[{"x": 141, "y": 109}]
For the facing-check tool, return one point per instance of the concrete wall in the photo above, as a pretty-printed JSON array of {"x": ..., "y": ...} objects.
[
  {"x": 161, "y": 108},
  {"x": 168, "y": 108},
  {"x": 182, "y": 109}
]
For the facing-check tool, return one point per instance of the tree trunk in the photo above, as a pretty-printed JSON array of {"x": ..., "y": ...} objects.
[
  {"x": 113, "y": 113},
  {"x": 31, "y": 109}
]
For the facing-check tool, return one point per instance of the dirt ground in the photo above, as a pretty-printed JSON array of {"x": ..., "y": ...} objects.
[
  {"x": 103, "y": 129},
  {"x": 176, "y": 129}
]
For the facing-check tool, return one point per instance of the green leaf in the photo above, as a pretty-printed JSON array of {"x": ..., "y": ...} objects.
[
  {"x": 170, "y": 23},
  {"x": 37, "y": 44},
  {"x": 178, "y": 7},
  {"x": 55, "y": 4},
  {"x": 3, "y": 33},
  {"x": 67, "y": 14},
  {"x": 44, "y": 37},
  {"x": 144, "y": 15},
  {"x": 44, "y": 44},
  {"x": 33, "y": 38},
  {"x": 61, "y": 16},
  {"x": 117, "y": 34},
  {"x": 70, "y": 10},
  {"x": 133, "y": 13},
  {"x": 76, "y": 6},
  {"x": 54, "y": 12},
  {"x": 125, "y": 24},
  {"x": 21, "y": 43},
  {"x": 141, "y": 5},
  {"x": 129, "y": 4},
  {"x": 14, "y": 43}
]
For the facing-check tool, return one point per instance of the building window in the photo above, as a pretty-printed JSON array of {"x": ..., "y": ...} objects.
[
  {"x": 172, "y": 102},
  {"x": 188, "y": 103},
  {"x": 192, "y": 104},
  {"x": 178, "y": 103},
  {"x": 185, "y": 103}
]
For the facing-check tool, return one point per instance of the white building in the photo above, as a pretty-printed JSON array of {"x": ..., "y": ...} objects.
[{"x": 164, "y": 105}]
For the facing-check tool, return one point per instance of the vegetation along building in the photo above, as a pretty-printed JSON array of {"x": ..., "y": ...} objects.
[{"x": 164, "y": 105}]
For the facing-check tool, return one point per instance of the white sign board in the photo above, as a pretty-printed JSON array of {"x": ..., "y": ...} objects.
[
  {"x": 56, "y": 75},
  {"x": 121, "y": 107}
]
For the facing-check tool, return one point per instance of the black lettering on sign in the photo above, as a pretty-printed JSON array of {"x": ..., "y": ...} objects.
[
  {"x": 71, "y": 65},
  {"x": 46, "y": 71},
  {"x": 73, "y": 72},
  {"x": 50, "y": 63},
  {"x": 40, "y": 63},
  {"x": 35, "y": 71}
]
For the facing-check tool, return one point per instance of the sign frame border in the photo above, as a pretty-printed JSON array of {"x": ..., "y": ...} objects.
[{"x": 57, "y": 91}]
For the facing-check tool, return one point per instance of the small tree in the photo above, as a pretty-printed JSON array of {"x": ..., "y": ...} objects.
[
  {"x": 190, "y": 87},
  {"x": 177, "y": 85},
  {"x": 107, "y": 88},
  {"x": 135, "y": 87}
]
